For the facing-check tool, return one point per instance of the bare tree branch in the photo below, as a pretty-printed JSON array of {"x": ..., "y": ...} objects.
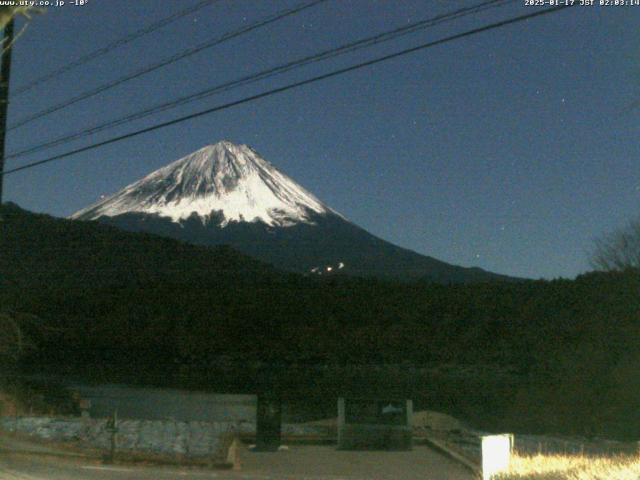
[
  {"x": 7, "y": 13},
  {"x": 11, "y": 339},
  {"x": 618, "y": 250}
]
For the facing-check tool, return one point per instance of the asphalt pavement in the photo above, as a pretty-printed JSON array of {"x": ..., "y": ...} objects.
[{"x": 308, "y": 462}]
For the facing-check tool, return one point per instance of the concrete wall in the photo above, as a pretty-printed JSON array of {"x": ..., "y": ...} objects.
[{"x": 163, "y": 437}]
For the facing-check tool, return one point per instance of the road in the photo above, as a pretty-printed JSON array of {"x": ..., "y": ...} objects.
[
  {"x": 298, "y": 463},
  {"x": 30, "y": 467}
]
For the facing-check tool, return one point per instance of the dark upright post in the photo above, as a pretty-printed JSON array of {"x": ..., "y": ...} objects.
[
  {"x": 5, "y": 72},
  {"x": 268, "y": 422}
]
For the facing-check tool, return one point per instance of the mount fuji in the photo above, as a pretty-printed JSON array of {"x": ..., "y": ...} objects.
[{"x": 227, "y": 194}]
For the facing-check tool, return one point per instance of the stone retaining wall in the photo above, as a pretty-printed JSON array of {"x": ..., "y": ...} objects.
[{"x": 163, "y": 437}]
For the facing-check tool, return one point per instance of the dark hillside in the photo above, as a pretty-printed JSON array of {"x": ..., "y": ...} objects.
[{"x": 531, "y": 356}]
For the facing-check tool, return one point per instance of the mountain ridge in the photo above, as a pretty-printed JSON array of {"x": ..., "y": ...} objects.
[
  {"x": 227, "y": 194},
  {"x": 225, "y": 177}
]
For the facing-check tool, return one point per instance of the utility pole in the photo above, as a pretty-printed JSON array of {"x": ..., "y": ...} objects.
[{"x": 5, "y": 72}]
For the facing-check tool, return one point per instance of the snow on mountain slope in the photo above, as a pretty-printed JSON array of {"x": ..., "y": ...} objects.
[
  {"x": 226, "y": 178},
  {"x": 226, "y": 194}
]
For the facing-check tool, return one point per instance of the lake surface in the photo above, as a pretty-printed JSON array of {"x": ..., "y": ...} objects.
[{"x": 150, "y": 403}]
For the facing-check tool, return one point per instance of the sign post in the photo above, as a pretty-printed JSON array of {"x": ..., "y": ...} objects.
[
  {"x": 268, "y": 423},
  {"x": 381, "y": 424},
  {"x": 112, "y": 429}
]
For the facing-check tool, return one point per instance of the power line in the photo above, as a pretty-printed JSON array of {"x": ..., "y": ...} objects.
[
  {"x": 363, "y": 43},
  {"x": 167, "y": 61},
  {"x": 112, "y": 46},
  {"x": 5, "y": 77},
  {"x": 291, "y": 86},
  {"x": 268, "y": 73}
]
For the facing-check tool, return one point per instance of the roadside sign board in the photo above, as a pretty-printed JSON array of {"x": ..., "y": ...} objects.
[{"x": 374, "y": 424}]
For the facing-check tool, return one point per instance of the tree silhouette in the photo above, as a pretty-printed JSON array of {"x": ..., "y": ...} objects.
[{"x": 618, "y": 250}]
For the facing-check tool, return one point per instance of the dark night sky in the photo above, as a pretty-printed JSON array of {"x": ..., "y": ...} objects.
[{"x": 510, "y": 150}]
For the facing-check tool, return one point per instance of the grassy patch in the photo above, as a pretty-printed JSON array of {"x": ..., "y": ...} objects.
[{"x": 573, "y": 467}]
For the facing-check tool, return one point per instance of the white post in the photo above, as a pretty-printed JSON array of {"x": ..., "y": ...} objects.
[
  {"x": 410, "y": 413},
  {"x": 341, "y": 420},
  {"x": 496, "y": 454}
]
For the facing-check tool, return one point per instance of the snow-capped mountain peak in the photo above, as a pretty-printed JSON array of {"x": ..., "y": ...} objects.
[{"x": 223, "y": 178}]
